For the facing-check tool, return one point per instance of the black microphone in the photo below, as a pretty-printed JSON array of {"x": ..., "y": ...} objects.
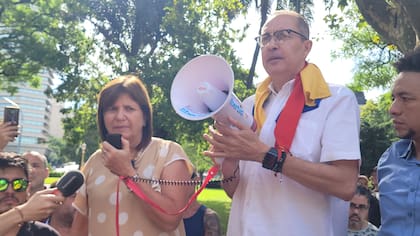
[{"x": 70, "y": 182}]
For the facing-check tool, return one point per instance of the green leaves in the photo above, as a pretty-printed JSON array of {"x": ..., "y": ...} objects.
[
  {"x": 36, "y": 35},
  {"x": 376, "y": 132}
]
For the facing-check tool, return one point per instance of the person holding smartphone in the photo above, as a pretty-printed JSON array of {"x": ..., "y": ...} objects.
[
  {"x": 8, "y": 133},
  {"x": 124, "y": 108}
]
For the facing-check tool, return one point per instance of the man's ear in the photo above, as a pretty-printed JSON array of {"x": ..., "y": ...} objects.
[{"x": 308, "y": 46}]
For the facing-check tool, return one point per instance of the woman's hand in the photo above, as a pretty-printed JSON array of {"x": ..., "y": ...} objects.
[{"x": 118, "y": 161}]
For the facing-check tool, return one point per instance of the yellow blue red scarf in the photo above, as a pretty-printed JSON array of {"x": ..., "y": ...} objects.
[{"x": 313, "y": 84}]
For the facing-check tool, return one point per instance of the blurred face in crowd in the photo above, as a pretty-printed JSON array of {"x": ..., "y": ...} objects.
[
  {"x": 10, "y": 198},
  {"x": 358, "y": 214},
  {"x": 374, "y": 177},
  {"x": 405, "y": 107},
  {"x": 38, "y": 171},
  {"x": 363, "y": 180}
]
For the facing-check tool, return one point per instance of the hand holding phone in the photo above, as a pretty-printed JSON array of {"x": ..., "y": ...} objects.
[
  {"x": 11, "y": 114},
  {"x": 114, "y": 140}
]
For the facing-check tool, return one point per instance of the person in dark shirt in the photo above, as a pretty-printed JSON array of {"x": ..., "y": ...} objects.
[
  {"x": 200, "y": 220},
  {"x": 374, "y": 210}
]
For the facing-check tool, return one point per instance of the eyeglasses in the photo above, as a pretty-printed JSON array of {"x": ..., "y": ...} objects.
[
  {"x": 18, "y": 185},
  {"x": 358, "y": 206},
  {"x": 280, "y": 36}
]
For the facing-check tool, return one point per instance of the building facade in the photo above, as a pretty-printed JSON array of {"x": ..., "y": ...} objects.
[{"x": 39, "y": 116}]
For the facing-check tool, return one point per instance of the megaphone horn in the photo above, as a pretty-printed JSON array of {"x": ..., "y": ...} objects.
[{"x": 203, "y": 88}]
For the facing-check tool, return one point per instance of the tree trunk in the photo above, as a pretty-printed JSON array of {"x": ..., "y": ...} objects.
[{"x": 398, "y": 22}]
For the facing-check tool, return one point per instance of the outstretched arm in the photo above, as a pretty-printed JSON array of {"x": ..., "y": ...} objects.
[{"x": 38, "y": 207}]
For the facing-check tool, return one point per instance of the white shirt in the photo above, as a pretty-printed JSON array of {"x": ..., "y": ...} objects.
[{"x": 267, "y": 205}]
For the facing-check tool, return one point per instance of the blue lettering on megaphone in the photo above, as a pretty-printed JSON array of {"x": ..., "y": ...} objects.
[
  {"x": 236, "y": 106},
  {"x": 187, "y": 111}
]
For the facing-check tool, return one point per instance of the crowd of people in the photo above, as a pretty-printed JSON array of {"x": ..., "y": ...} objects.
[{"x": 294, "y": 175}]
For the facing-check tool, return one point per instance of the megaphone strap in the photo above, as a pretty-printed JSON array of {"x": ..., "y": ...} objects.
[
  {"x": 135, "y": 189},
  {"x": 138, "y": 179},
  {"x": 131, "y": 185}
]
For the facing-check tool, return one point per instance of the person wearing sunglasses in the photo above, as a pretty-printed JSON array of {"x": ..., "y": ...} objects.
[
  {"x": 296, "y": 172},
  {"x": 17, "y": 214},
  {"x": 358, "y": 214}
]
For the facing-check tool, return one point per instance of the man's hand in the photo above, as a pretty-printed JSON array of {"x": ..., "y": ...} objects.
[
  {"x": 41, "y": 205},
  {"x": 235, "y": 141}
]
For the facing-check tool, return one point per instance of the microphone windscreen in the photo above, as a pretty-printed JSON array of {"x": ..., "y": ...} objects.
[{"x": 70, "y": 182}]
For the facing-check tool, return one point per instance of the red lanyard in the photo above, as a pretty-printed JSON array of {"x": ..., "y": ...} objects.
[
  {"x": 289, "y": 118},
  {"x": 132, "y": 186}
]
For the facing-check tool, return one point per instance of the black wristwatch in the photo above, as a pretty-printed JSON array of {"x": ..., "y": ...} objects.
[{"x": 270, "y": 159}]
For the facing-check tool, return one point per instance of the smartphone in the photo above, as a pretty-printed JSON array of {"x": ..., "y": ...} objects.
[
  {"x": 114, "y": 140},
  {"x": 11, "y": 114}
]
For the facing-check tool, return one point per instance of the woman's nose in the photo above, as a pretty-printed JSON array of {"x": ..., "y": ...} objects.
[{"x": 120, "y": 114}]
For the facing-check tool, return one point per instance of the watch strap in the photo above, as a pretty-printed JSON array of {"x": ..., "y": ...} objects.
[{"x": 273, "y": 161}]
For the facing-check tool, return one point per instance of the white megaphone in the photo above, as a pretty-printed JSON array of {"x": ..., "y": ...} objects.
[{"x": 203, "y": 88}]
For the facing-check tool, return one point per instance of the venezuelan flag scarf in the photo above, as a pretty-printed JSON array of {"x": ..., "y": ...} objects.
[{"x": 309, "y": 86}]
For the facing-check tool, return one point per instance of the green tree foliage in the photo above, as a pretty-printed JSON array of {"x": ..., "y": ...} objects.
[
  {"x": 36, "y": 35},
  {"x": 372, "y": 56},
  {"x": 396, "y": 21},
  {"x": 153, "y": 39},
  {"x": 376, "y": 132},
  {"x": 375, "y": 33},
  {"x": 59, "y": 152}
]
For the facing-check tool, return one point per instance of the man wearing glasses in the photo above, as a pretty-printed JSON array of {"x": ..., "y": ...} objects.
[
  {"x": 358, "y": 214},
  {"x": 296, "y": 172},
  {"x": 16, "y": 214}
]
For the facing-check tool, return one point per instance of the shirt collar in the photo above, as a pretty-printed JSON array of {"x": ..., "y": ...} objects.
[
  {"x": 288, "y": 85},
  {"x": 408, "y": 153}
]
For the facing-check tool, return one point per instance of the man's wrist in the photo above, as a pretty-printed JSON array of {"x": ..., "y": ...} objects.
[
  {"x": 20, "y": 213},
  {"x": 230, "y": 169},
  {"x": 274, "y": 159}
]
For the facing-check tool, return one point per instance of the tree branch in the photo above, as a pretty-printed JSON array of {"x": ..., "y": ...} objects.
[
  {"x": 411, "y": 7},
  {"x": 390, "y": 21}
]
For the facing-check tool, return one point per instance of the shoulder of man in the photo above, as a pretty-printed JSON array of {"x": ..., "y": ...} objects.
[{"x": 396, "y": 149}]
